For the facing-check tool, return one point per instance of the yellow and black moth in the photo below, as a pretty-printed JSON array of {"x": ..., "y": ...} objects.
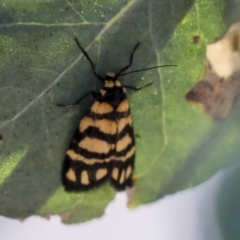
[{"x": 103, "y": 146}]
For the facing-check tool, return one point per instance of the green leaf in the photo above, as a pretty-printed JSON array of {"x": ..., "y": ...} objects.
[{"x": 41, "y": 66}]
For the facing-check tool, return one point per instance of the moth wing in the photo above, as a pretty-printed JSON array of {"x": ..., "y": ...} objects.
[
  {"x": 123, "y": 164},
  {"x": 87, "y": 162}
]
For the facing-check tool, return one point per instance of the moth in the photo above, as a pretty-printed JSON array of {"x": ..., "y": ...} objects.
[{"x": 103, "y": 146}]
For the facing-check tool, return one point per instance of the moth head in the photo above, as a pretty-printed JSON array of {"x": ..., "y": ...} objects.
[{"x": 110, "y": 76}]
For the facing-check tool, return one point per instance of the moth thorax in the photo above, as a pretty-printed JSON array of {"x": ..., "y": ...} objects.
[{"x": 110, "y": 80}]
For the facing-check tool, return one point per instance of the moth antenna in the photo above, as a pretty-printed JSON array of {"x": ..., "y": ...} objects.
[
  {"x": 145, "y": 69},
  {"x": 130, "y": 61},
  {"x": 90, "y": 60}
]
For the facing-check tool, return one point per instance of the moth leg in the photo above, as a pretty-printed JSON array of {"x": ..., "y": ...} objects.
[
  {"x": 137, "y": 88},
  {"x": 79, "y": 100}
]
